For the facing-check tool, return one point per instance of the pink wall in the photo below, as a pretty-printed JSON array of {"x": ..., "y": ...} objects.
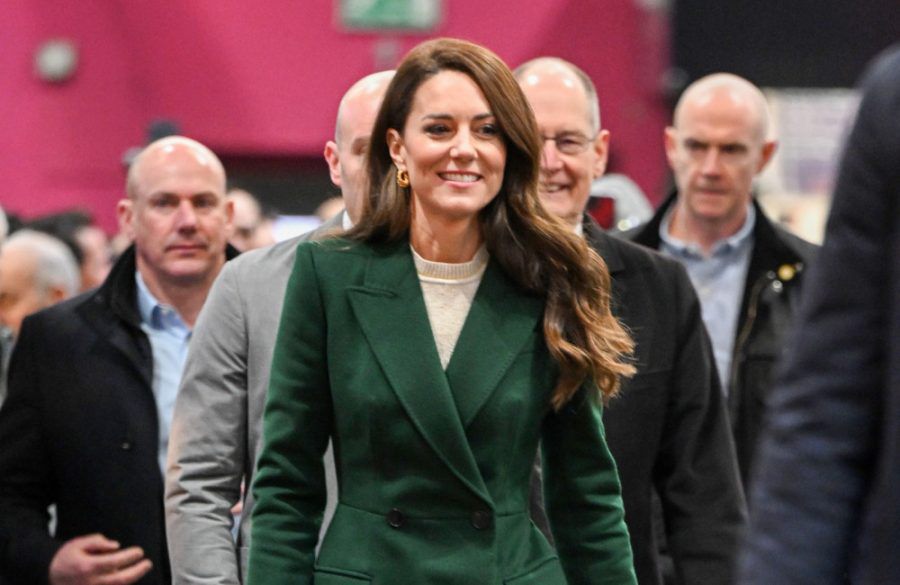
[{"x": 264, "y": 79}]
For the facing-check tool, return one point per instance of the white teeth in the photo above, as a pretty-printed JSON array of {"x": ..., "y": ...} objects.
[
  {"x": 551, "y": 188},
  {"x": 460, "y": 177}
]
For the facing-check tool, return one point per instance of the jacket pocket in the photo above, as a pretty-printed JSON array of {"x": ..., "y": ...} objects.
[
  {"x": 329, "y": 576},
  {"x": 548, "y": 572}
]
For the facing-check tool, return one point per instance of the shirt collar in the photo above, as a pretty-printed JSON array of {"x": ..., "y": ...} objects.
[
  {"x": 153, "y": 313},
  {"x": 723, "y": 246}
]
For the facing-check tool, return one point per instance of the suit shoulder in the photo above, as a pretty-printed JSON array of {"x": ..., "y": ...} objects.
[
  {"x": 63, "y": 312},
  {"x": 806, "y": 250},
  {"x": 274, "y": 254},
  {"x": 66, "y": 320},
  {"x": 334, "y": 247},
  {"x": 638, "y": 257}
]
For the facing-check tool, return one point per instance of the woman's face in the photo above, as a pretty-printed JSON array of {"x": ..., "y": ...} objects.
[{"x": 451, "y": 147}]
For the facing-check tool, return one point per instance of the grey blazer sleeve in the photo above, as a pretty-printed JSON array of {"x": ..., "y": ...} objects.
[{"x": 208, "y": 443}]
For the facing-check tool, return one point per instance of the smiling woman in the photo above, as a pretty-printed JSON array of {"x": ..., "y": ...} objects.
[{"x": 437, "y": 343}]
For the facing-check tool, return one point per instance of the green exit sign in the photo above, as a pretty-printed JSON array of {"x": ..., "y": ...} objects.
[{"x": 390, "y": 14}]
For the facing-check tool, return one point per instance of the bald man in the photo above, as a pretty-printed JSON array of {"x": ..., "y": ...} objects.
[
  {"x": 747, "y": 271},
  {"x": 217, "y": 431},
  {"x": 93, "y": 380}
]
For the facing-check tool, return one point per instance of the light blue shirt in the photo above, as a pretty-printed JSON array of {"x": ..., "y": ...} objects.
[
  {"x": 719, "y": 279},
  {"x": 169, "y": 337}
]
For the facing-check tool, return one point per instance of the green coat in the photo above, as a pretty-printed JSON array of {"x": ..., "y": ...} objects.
[{"x": 433, "y": 466}]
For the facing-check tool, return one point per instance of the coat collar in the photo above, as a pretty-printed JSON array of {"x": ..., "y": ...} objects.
[
  {"x": 773, "y": 247},
  {"x": 609, "y": 249},
  {"x": 603, "y": 243},
  {"x": 118, "y": 295},
  {"x": 391, "y": 311}
]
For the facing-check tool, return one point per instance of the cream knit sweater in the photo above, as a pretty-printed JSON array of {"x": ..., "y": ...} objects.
[{"x": 448, "y": 290}]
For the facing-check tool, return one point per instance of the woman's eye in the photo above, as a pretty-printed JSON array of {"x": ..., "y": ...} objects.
[
  {"x": 437, "y": 129},
  {"x": 490, "y": 130}
]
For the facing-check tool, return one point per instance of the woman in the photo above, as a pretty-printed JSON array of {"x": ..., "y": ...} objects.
[{"x": 436, "y": 343}]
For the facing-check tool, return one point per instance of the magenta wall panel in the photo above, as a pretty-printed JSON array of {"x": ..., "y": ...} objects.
[{"x": 264, "y": 78}]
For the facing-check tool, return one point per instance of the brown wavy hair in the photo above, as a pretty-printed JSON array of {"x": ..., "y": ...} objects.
[{"x": 534, "y": 248}]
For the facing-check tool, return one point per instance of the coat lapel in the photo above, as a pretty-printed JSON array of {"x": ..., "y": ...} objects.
[
  {"x": 391, "y": 312},
  {"x": 122, "y": 334},
  {"x": 501, "y": 320}
]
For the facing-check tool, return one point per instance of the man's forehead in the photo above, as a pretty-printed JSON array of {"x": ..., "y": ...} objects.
[
  {"x": 718, "y": 125},
  {"x": 184, "y": 175},
  {"x": 16, "y": 264}
]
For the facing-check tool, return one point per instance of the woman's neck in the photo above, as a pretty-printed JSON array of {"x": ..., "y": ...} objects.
[{"x": 445, "y": 241}]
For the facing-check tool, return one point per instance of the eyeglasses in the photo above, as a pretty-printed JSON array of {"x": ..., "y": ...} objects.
[{"x": 569, "y": 143}]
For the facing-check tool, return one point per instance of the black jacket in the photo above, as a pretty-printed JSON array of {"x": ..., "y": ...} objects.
[
  {"x": 668, "y": 429},
  {"x": 828, "y": 478},
  {"x": 770, "y": 298},
  {"x": 79, "y": 429}
]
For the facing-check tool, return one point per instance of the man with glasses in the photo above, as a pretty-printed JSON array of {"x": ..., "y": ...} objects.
[{"x": 668, "y": 429}]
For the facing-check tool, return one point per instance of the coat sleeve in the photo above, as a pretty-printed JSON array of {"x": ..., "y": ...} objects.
[
  {"x": 583, "y": 496},
  {"x": 695, "y": 473},
  {"x": 207, "y": 446},
  {"x": 289, "y": 487},
  {"x": 25, "y": 481},
  {"x": 818, "y": 457}
]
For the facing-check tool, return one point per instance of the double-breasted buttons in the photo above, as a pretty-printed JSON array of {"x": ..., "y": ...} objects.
[
  {"x": 395, "y": 518},
  {"x": 482, "y": 519},
  {"x": 126, "y": 445}
]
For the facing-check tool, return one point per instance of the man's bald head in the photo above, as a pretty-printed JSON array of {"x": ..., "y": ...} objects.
[
  {"x": 549, "y": 69},
  {"x": 728, "y": 90},
  {"x": 346, "y": 154},
  {"x": 166, "y": 152},
  {"x": 362, "y": 100}
]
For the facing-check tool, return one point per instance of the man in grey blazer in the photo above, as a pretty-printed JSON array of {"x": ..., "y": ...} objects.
[{"x": 217, "y": 427}]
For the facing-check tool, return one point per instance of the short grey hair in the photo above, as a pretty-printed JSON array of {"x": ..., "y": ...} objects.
[{"x": 55, "y": 265}]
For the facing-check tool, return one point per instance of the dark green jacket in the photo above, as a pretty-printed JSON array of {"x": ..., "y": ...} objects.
[{"x": 433, "y": 466}]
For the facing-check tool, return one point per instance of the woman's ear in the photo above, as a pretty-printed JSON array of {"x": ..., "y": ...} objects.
[{"x": 396, "y": 148}]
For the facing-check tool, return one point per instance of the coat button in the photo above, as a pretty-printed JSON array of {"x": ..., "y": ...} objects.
[
  {"x": 395, "y": 518},
  {"x": 126, "y": 445},
  {"x": 481, "y": 520}
]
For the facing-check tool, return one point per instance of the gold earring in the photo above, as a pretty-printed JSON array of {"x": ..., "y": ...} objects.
[{"x": 402, "y": 179}]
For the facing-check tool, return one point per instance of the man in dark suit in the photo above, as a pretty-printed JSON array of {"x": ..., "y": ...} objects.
[
  {"x": 826, "y": 490},
  {"x": 92, "y": 383},
  {"x": 668, "y": 431}
]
